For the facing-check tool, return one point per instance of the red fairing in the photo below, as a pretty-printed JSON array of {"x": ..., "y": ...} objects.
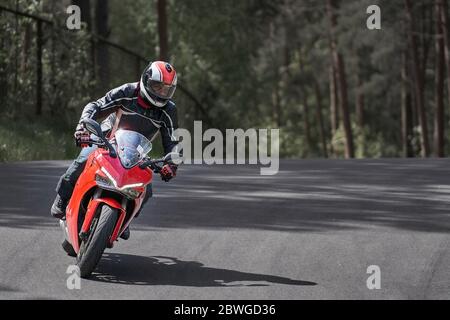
[
  {"x": 87, "y": 182},
  {"x": 120, "y": 174}
]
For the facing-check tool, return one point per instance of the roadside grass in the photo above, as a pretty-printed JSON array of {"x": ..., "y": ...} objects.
[
  {"x": 42, "y": 139},
  {"x": 24, "y": 140}
]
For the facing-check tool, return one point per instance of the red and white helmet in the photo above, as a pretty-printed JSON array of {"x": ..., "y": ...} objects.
[{"x": 158, "y": 83}]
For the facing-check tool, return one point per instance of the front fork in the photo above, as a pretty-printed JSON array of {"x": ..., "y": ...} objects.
[
  {"x": 63, "y": 225},
  {"x": 92, "y": 211}
]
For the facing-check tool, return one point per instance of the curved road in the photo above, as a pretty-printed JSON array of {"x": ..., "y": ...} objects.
[{"x": 225, "y": 232}]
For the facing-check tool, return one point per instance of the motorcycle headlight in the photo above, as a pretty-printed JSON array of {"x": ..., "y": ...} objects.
[
  {"x": 103, "y": 181},
  {"x": 131, "y": 193},
  {"x": 108, "y": 181}
]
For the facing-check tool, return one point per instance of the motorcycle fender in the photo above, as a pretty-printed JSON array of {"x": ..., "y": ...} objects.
[{"x": 92, "y": 209}]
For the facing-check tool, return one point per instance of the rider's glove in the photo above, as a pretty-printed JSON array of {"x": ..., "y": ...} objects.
[
  {"x": 168, "y": 172},
  {"x": 82, "y": 137}
]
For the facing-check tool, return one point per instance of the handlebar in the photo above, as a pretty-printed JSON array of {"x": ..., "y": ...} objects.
[
  {"x": 94, "y": 128},
  {"x": 148, "y": 163},
  {"x": 102, "y": 142},
  {"x": 89, "y": 142},
  {"x": 153, "y": 164}
]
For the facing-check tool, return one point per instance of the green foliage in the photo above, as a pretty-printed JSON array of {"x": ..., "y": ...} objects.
[
  {"x": 250, "y": 63},
  {"x": 22, "y": 139}
]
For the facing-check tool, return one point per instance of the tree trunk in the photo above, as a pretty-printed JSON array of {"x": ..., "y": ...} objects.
[
  {"x": 16, "y": 53},
  {"x": 306, "y": 123},
  {"x": 276, "y": 108},
  {"x": 359, "y": 101},
  {"x": 39, "y": 83},
  {"x": 85, "y": 7},
  {"x": 3, "y": 73},
  {"x": 86, "y": 17},
  {"x": 339, "y": 64},
  {"x": 320, "y": 118},
  {"x": 418, "y": 81},
  {"x": 445, "y": 30},
  {"x": 101, "y": 18},
  {"x": 439, "y": 86},
  {"x": 163, "y": 30},
  {"x": 426, "y": 40},
  {"x": 26, "y": 45},
  {"x": 276, "y": 103},
  {"x": 53, "y": 96},
  {"x": 343, "y": 103},
  {"x": 334, "y": 114},
  {"x": 406, "y": 111},
  {"x": 334, "y": 99},
  {"x": 359, "y": 108},
  {"x": 102, "y": 54}
]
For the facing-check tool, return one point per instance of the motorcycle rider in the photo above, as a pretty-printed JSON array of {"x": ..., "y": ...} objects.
[{"x": 145, "y": 107}]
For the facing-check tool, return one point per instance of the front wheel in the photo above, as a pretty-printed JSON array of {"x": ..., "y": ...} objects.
[{"x": 92, "y": 248}]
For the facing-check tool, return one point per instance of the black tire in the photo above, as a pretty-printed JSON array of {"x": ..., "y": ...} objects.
[
  {"x": 68, "y": 248},
  {"x": 92, "y": 249}
]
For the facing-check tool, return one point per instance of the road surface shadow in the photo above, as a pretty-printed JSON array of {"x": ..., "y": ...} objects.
[
  {"x": 7, "y": 289},
  {"x": 159, "y": 270},
  {"x": 305, "y": 196}
]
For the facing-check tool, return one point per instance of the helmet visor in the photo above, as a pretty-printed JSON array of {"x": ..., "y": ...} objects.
[{"x": 161, "y": 90}]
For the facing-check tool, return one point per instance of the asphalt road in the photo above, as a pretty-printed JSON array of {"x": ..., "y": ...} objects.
[{"x": 225, "y": 232}]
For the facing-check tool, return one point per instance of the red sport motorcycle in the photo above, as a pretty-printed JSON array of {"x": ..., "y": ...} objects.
[{"x": 108, "y": 194}]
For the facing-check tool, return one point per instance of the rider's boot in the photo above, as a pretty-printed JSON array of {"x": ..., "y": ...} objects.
[
  {"x": 59, "y": 207},
  {"x": 125, "y": 234}
]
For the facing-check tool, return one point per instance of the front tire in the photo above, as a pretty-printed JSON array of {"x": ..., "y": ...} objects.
[{"x": 91, "y": 249}]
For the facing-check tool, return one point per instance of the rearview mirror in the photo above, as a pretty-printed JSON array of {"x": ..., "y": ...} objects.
[{"x": 93, "y": 127}]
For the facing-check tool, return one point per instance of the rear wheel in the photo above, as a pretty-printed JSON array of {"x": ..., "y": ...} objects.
[{"x": 92, "y": 248}]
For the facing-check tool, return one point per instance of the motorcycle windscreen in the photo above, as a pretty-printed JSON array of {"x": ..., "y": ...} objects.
[{"x": 132, "y": 147}]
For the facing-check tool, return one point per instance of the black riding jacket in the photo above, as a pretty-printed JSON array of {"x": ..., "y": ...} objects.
[{"x": 125, "y": 109}]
